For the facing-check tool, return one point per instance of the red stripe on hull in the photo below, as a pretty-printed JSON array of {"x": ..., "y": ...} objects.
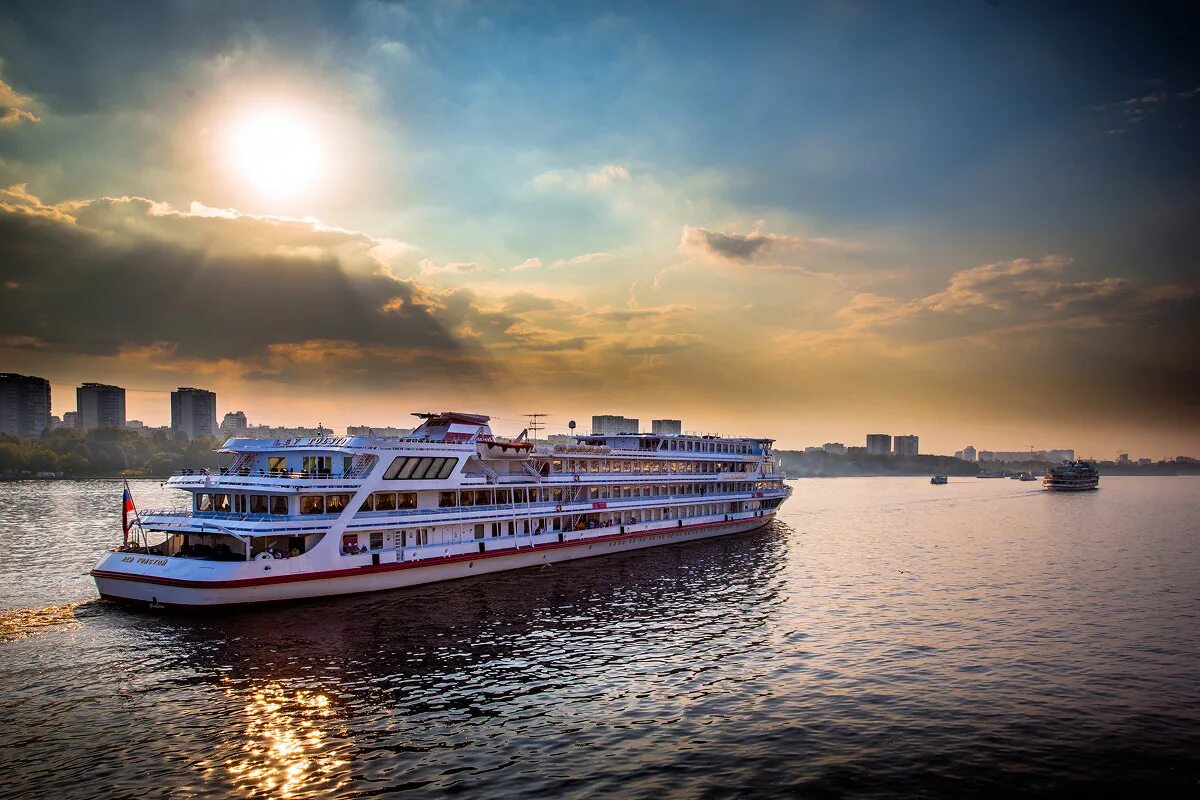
[{"x": 425, "y": 562}]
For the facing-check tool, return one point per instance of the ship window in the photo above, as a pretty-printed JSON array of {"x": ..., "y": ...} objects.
[
  {"x": 221, "y": 502},
  {"x": 258, "y": 504},
  {"x": 406, "y": 500},
  {"x": 317, "y": 464},
  {"x": 400, "y": 469},
  {"x": 279, "y": 504},
  {"x": 384, "y": 501},
  {"x": 415, "y": 469},
  {"x": 204, "y": 502},
  {"x": 336, "y": 503},
  {"x": 239, "y": 503},
  {"x": 312, "y": 504},
  {"x": 479, "y": 530},
  {"x": 376, "y": 540},
  {"x": 447, "y": 499},
  {"x": 277, "y": 463}
]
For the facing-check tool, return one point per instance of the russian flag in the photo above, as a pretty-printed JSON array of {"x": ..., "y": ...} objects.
[{"x": 126, "y": 509}]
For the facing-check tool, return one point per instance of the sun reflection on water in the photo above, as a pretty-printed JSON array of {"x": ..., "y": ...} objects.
[
  {"x": 19, "y": 623},
  {"x": 286, "y": 749}
]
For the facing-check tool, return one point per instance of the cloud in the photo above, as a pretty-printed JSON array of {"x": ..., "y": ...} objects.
[
  {"x": 600, "y": 179},
  {"x": 15, "y": 107},
  {"x": 529, "y": 263},
  {"x": 1122, "y": 115},
  {"x": 755, "y": 246},
  {"x": 1016, "y": 302},
  {"x": 608, "y": 175},
  {"x": 580, "y": 259},
  {"x": 661, "y": 345},
  {"x": 428, "y": 267},
  {"x": 625, "y": 315}
]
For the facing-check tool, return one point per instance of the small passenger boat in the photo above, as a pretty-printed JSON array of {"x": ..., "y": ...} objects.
[
  {"x": 1072, "y": 476},
  {"x": 939, "y": 480}
]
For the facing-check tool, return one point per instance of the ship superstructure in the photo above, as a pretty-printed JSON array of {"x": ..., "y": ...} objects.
[{"x": 309, "y": 517}]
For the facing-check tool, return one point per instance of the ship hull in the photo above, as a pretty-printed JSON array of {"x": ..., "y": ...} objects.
[{"x": 167, "y": 592}]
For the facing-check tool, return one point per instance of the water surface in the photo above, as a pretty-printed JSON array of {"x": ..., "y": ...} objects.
[{"x": 884, "y": 637}]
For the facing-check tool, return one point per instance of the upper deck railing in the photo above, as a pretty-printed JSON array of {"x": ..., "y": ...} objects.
[
  {"x": 518, "y": 509},
  {"x": 295, "y": 474}
]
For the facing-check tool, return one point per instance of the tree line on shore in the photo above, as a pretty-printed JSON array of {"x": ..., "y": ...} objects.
[
  {"x": 103, "y": 452},
  {"x": 797, "y": 464}
]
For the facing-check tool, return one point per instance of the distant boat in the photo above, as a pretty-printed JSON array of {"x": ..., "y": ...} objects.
[
  {"x": 1072, "y": 476},
  {"x": 1028, "y": 476},
  {"x": 939, "y": 480},
  {"x": 990, "y": 473}
]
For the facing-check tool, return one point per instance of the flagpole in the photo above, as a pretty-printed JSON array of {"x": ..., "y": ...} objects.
[{"x": 137, "y": 517}]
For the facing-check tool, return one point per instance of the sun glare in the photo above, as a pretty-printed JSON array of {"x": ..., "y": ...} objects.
[{"x": 276, "y": 152}]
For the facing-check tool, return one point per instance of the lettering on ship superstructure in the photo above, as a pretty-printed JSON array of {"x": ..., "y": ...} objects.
[{"x": 363, "y": 513}]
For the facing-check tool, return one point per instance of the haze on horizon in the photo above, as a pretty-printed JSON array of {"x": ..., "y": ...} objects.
[{"x": 971, "y": 221}]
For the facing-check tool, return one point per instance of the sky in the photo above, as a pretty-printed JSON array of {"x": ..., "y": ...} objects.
[{"x": 971, "y": 221}]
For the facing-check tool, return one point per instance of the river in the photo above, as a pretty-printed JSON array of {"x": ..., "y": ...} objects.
[{"x": 883, "y": 637}]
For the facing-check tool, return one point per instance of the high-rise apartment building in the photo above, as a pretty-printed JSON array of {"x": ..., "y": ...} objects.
[
  {"x": 234, "y": 424},
  {"x": 666, "y": 427},
  {"x": 100, "y": 405},
  {"x": 879, "y": 444},
  {"x": 968, "y": 453},
  {"x": 24, "y": 404},
  {"x": 194, "y": 412},
  {"x": 611, "y": 424},
  {"x": 905, "y": 445}
]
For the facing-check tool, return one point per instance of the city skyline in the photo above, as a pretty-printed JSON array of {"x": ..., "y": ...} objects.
[
  {"x": 798, "y": 222},
  {"x": 521, "y": 422}
]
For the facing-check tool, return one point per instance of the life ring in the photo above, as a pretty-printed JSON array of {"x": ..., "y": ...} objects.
[
  {"x": 558, "y": 508},
  {"x": 576, "y": 477},
  {"x": 264, "y": 556}
]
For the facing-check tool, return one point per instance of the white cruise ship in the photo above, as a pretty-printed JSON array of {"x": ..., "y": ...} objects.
[{"x": 313, "y": 517}]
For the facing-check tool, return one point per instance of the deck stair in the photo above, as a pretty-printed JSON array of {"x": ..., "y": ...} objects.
[{"x": 361, "y": 465}]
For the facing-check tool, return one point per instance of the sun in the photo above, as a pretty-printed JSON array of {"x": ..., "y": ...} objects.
[{"x": 275, "y": 151}]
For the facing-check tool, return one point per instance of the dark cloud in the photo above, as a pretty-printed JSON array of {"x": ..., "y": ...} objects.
[
  {"x": 631, "y": 314},
  {"x": 731, "y": 246},
  {"x": 110, "y": 275},
  {"x": 769, "y": 249}
]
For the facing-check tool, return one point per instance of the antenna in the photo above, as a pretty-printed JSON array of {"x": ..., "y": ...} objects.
[{"x": 535, "y": 425}]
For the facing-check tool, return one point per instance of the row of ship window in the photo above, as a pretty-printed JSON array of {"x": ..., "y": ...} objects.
[
  {"x": 414, "y": 468},
  {"x": 694, "y": 446},
  {"x": 648, "y": 467},
  {"x": 399, "y": 501},
  {"x": 536, "y": 525}
]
